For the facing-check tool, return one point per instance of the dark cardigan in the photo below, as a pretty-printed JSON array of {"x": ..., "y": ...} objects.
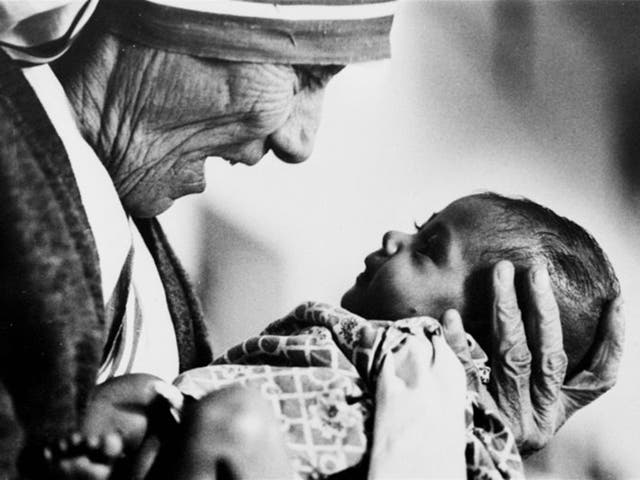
[{"x": 52, "y": 328}]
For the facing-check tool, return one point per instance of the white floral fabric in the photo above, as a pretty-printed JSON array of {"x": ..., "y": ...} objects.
[{"x": 318, "y": 368}]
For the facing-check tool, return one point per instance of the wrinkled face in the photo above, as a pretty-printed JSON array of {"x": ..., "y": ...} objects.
[
  {"x": 168, "y": 112},
  {"x": 421, "y": 273}
]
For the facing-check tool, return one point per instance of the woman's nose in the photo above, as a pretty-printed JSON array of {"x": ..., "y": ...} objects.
[
  {"x": 393, "y": 241},
  {"x": 293, "y": 141}
]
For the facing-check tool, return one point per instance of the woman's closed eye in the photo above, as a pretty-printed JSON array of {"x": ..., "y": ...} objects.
[{"x": 314, "y": 76}]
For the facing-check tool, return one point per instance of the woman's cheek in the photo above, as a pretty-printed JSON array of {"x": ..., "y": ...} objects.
[{"x": 268, "y": 119}]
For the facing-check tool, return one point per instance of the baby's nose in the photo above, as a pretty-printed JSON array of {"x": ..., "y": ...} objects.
[{"x": 392, "y": 241}]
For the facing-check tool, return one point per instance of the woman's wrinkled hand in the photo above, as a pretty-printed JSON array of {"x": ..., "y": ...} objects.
[{"x": 528, "y": 360}]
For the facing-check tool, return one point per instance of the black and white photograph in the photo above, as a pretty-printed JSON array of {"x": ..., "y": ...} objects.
[{"x": 319, "y": 239}]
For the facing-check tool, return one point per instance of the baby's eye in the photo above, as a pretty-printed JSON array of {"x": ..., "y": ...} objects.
[
  {"x": 433, "y": 248},
  {"x": 425, "y": 247}
]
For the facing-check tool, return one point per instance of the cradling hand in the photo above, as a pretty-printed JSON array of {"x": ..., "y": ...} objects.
[{"x": 528, "y": 362}]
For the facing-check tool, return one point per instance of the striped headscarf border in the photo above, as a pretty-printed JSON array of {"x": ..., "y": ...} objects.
[
  {"x": 277, "y": 31},
  {"x": 39, "y": 31},
  {"x": 274, "y": 31}
]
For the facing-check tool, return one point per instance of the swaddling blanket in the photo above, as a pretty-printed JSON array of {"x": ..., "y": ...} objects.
[{"x": 318, "y": 368}]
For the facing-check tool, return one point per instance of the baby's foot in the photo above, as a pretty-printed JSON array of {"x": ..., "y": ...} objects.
[
  {"x": 84, "y": 458},
  {"x": 122, "y": 413}
]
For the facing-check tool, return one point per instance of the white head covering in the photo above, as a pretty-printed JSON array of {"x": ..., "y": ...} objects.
[
  {"x": 39, "y": 31},
  {"x": 275, "y": 31},
  {"x": 271, "y": 31}
]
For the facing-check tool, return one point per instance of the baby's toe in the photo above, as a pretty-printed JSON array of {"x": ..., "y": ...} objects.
[
  {"x": 75, "y": 443},
  {"x": 105, "y": 449},
  {"x": 84, "y": 458},
  {"x": 70, "y": 446},
  {"x": 93, "y": 442}
]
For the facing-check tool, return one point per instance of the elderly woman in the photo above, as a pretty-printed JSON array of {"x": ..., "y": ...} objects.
[{"x": 91, "y": 154}]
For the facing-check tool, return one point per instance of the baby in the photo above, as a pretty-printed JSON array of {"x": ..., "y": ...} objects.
[
  {"x": 321, "y": 362},
  {"x": 447, "y": 262}
]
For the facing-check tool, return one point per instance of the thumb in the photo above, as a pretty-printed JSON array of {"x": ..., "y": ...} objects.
[
  {"x": 454, "y": 333},
  {"x": 456, "y": 337}
]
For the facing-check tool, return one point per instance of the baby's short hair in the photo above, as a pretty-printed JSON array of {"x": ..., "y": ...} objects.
[{"x": 582, "y": 278}]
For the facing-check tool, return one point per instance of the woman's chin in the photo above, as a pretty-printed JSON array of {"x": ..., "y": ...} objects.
[
  {"x": 148, "y": 209},
  {"x": 198, "y": 185},
  {"x": 148, "y": 200}
]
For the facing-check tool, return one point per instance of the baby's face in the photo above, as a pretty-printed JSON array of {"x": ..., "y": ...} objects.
[{"x": 420, "y": 273}]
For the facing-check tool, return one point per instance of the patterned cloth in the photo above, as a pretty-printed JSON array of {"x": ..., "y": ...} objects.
[{"x": 318, "y": 368}]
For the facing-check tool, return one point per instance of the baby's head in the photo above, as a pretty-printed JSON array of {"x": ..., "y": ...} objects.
[{"x": 447, "y": 263}]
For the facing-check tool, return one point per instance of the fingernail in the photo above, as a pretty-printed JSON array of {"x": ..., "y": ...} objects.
[
  {"x": 452, "y": 321},
  {"x": 448, "y": 318},
  {"x": 540, "y": 278},
  {"x": 505, "y": 273}
]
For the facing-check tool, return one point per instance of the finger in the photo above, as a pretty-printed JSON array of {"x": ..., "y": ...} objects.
[
  {"x": 455, "y": 335},
  {"x": 610, "y": 338},
  {"x": 511, "y": 362},
  {"x": 509, "y": 339},
  {"x": 447, "y": 361},
  {"x": 545, "y": 339},
  {"x": 602, "y": 372}
]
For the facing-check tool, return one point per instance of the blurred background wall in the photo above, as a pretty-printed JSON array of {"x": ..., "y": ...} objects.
[{"x": 540, "y": 99}]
